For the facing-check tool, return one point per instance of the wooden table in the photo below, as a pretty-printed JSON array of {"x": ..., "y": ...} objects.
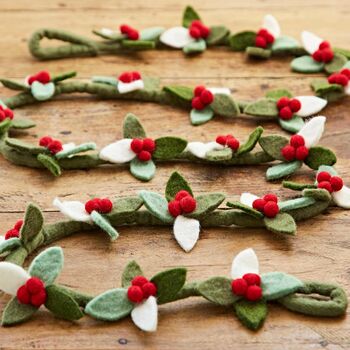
[{"x": 320, "y": 251}]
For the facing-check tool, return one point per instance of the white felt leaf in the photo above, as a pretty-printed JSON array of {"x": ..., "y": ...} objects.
[
  {"x": 311, "y": 42},
  {"x": 118, "y": 152},
  {"x": 12, "y": 277},
  {"x": 108, "y": 32},
  {"x": 342, "y": 197},
  {"x": 312, "y": 131},
  {"x": 145, "y": 315},
  {"x": 42, "y": 92},
  {"x": 200, "y": 149},
  {"x": 186, "y": 232},
  {"x": 124, "y": 88},
  {"x": 73, "y": 209},
  {"x": 347, "y": 89},
  {"x": 244, "y": 262},
  {"x": 219, "y": 90},
  {"x": 310, "y": 105},
  {"x": 248, "y": 199},
  {"x": 177, "y": 37},
  {"x": 271, "y": 24},
  {"x": 68, "y": 146}
]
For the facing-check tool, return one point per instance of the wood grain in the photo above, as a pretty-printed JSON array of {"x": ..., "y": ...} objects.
[{"x": 320, "y": 251}]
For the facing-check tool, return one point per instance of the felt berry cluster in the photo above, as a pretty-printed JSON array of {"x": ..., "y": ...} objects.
[
  {"x": 198, "y": 30},
  {"x": 264, "y": 38},
  {"x": 33, "y": 292},
  {"x": 229, "y": 141},
  {"x": 324, "y": 53},
  {"x": 54, "y": 146},
  {"x": 130, "y": 32},
  {"x": 128, "y": 77},
  {"x": 143, "y": 148},
  {"x": 183, "y": 203},
  {"x": 5, "y": 113},
  {"x": 42, "y": 77},
  {"x": 248, "y": 287},
  {"x": 268, "y": 205},
  {"x": 101, "y": 205},
  {"x": 141, "y": 289},
  {"x": 287, "y": 107},
  {"x": 202, "y": 97},
  {"x": 14, "y": 232},
  {"x": 341, "y": 78},
  {"x": 296, "y": 149},
  {"x": 328, "y": 182}
]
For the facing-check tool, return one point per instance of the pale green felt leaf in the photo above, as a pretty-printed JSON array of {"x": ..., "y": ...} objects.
[
  {"x": 276, "y": 94},
  {"x": 320, "y": 156},
  {"x": 5, "y": 125},
  {"x": 111, "y": 305},
  {"x": 195, "y": 47},
  {"x": 284, "y": 43},
  {"x": 132, "y": 127},
  {"x": 246, "y": 209},
  {"x": 143, "y": 171},
  {"x": 258, "y": 52},
  {"x": 202, "y": 116},
  {"x": 104, "y": 224},
  {"x": 224, "y": 105},
  {"x": 282, "y": 223},
  {"x": 22, "y": 146},
  {"x": 169, "y": 147},
  {"x": 293, "y": 125},
  {"x": 219, "y": 155},
  {"x": 15, "y": 312},
  {"x": 152, "y": 84},
  {"x": 251, "y": 314},
  {"x": 64, "y": 76},
  {"x": 157, "y": 205},
  {"x": 9, "y": 245},
  {"x": 42, "y": 92},
  {"x": 295, "y": 203},
  {"x": 13, "y": 85},
  {"x": 175, "y": 184},
  {"x": 206, "y": 203},
  {"x": 183, "y": 92},
  {"x": 22, "y": 123},
  {"x": 138, "y": 44},
  {"x": 265, "y": 107},
  {"x": 251, "y": 142},
  {"x": 278, "y": 284},
  {"x": 242, "y": 40},
  {"x": 132, "y": 269},
  {"x": 189, "y": 16},
  {"x": 337, "y": 63},
  {"x": 105, "y": 80},
  {"x": 218, "y": 290},
  {"x": 84, "y": 147},
  {"x": 217, "y": 35},
  {"x": 306, "y": 64},
  {"x": 152, "y": 33},
  {"x": 283, "y": 169},
  {"x": 273, "y": 145},
  {"x": 318, "y": 194},
  {"x": 33, "y": 223},
  {"x": 169, "y": 283},
  {"x": 328, "y": 169},
  {"x": 50, "y": 163},
  {"x": 47, "y": 265}
]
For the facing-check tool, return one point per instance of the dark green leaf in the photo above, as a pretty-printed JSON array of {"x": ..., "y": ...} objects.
[
  {"x": 169, "y": 147},
  {"x": 320, "y": 156},
  {"x": 242, "y": 40},
  {"x": 283, "y": 169},
  {"x": 219, "y": 155},
  {"x": 15, "y": 312},
  {"x": 278, "y": 93},
  {"x": 265, "y": 107},
  {"x": 5, "y": 125},
  {"x": 189, "y": 16},
  {"x": 318, "y": 194},
  {"x": 22, "y": 146},
  {"x": 336, "y": 64},
  {"x": 251, "y": 314},
  {"x": 132, "y": 127},
  {"x": 217, "y": 36},
  {"x": 63, "y": 76},
  {"x": 282, "y": 223},
  {"x": 224, "y": 105},
  {"x": 246, "y": 209},
  {"x": 296, "y": 186},
  {"x": 33, "y": 223},
  {"x": 273, "y": 145},
  {"x": 330, "y": 92},
  {"x": 183, "y": 92},
  {"x": 138, "y": 44},
  {"x": 251, "y": 142},
  {"x": 258, "y": 52},
  {"x": 49, "y": 163},
  {"x": 124, "y": 206},
  {"x": 13, "y": 85},
  {"x": 206, "y": 203},
  {"x": 175, "y": 184},
  {"x": 131, "y": 270}
]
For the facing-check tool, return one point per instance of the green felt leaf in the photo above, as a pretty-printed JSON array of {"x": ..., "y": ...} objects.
[
  {"x": 224, "y": 105},
  {"x": 175, "y": 184},
  {"x": 125, "y": 206},
  {"x": 318, "y": 194},
  {"x": 143, "y": 171},
  {"x": 152, "y": 33},
  {"x": 293, "y": 125},
  {"x": 217, "y": 36},
  {"x": 284, "y": 43},
  {"x": 49, "y": 163},
  {"x": 111, "y": 305},
  {"x": 47, "y": 265},
  {"x": 64, "y": 76},
  {"x": 132, "y": 269},
  {"x": 114, "y": 36},
  {"x": 15, "y": 312},
  {"x": 156, "y": 205},
  {"x": 206, "y": 203},
  {"x": 22, "y": 123},
  {"x": 202, "y": 116},
  {"x": 295, "y": 203},
  {"x": 138, "y": 44},
  {"x": 249, "y": 210},
  {"x": 218, "y": 290},
  {"x": 84, "y": 147},
  {"x": 276, "y": 94},
  {"x": 219, "y": 155},
  {"x": 330, "y": 92},
  {"x": 242, "y": 40},
  {"x": 132, "y": 127},
  {"x": 5, "y": 125},
  {"x": 169, "y": 147},
  {"x": 182, "y": 92},
  {"x": 251, "y": 314},
  {"x": 169, "y": 283},
  {"x": 278, "y": 284},
  {"x": 258, "y": 52},
  {"x": 33, "y": 223},
  {"x": 9, "y": 244},
  {"x": 320, "y": 156},
  {"x": 336, "y": 64},
  {"x": 296, "y": 186},
  {"x": 251, "y": 142},
  {"x": 282, "y": 223},
  {"x": 306, "y": 64},
  {"x": 13, "y": 85},
  {"x": 42, "y": 92},
  {"x": 104, "y": 224},
  {"x": 105, "y": 80},
  {"x": 22, "y": 146},
  {"x": 61, "y": 304},
  {"x": 264, "y": 107},
  {"x": 283, "y": 169},
  {"x": 195, "y": 47},
  {"x": 344, "y": 52},
  {"x": 273, "y": 145},
  {"x": 189, "y": 16},
  {"x": 152, "y": 84}
]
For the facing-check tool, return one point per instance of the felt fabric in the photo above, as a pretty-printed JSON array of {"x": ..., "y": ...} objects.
[
  {"x": 283, "y": 169},
  {"x": 105, "y": 80},
  {"x": 109, "y": 34},
  {"x": 317, "y": 193},
  {"x": 33, "y": 223},
  {"x": 219, "y": 90},
  {"x": 152, "y": 33},
  {"x": 200, "y": 149},
  {"x": 13, "y": 85},
  {"x": 284, "y": 44},
  {"x": 240, "y": 41},
  {"x": 103, "y": 224},
  {"x": 276, "y": 94},
  {"x": 251, "y": 141},
  {"x": 124, "y": 207},
  {"x": 247, "y": 199},
  {"x": 202, "y": 116},
  {"x": 310, "y": 105},
  {"x": 49, "y": 163},
  {"x": 276, "y": 285},
  {"x": 195, "y": 47},
  {"x": 283, "y": 223},
  {"x": 24, "y": 146},
  {"x": 296, "y": 203},
  {"x": 175, "y": 184},
  {"x": 169, "y": 283},
  {"x": 189, "y": 16},
  {"x": 219, "y": 155},
  {"x": 176, "y": 37},
  {"x": 143, "y": 171},
  {"x": 308, "y": 212},
  {"x": 15, "y": 313},
  {"x": 12, "y": 277},
  {"x": 273, "y": 144},
  {"x": 5, "y": 125},
  {"x": 111, "y": 305},
  {"x": 186, "y": 232},
  {"x": 84, "y": 147},
  {"x": 342, "y": 198},
  {"x": 244, "y": 262},
  {"x": 271, "y": 24},
  {"x": 182, "y": 92},
  {"x": 42, "y": 92},
  {"x": 224, "y": 105},
  {"x": 306, "y": 64},
  {"x": 328, "y": 169},
  {"x": 218, "y": 290},
  {"x": 169, "y": 147},
  {"x": 8, "y": 245},
  {"x": 124, "y": 88},
  {"x": 336, "y": 64},
  {"x": 22, "y": 123},
  {"x": 293, "y": 125},
  {"x": 258, "y": 52},
  {"x": 73, "y": 209},
  {"x": 63, "y": 76},
  {"x": 145, "y": 315},
  {"x": 320, "y": 156},
  {"x": 47, "y": 265},
  {"x": 132, "y": 269},
  {"x": 247, "y": 209},
  {"x": 296, "y": 186},
  {"x": 206, "y": 203},
  {"x": 251, "y": 314},
  {"x": 217, "y": 36},
  {"x": 138, "y": 44},
  {"x": 265, "y": 107},
  {"x": 132, "y": 127},
  {"x": 118, "y": 152},
  {"x": 310, "y": 41},
  {"x": 330, "y": 92}
]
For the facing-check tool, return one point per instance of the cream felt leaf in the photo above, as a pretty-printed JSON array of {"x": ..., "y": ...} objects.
[
  {"x": 118, "y": 152},
  {"x": 342, "y": 197},
  {"x": 145, "y": 315},
  {"x": 42, "y": 92},
  {"x": 310, "y": 105},
  {"x": 177, "y": 37},
  {"x": 108, "y": 31},
  {"x": 310, "y": 41},
  {"x": 186, "y": 232},
  {"x": 248, "y": 199},
  {"x": 219, "y": 90},
  {"x": 200, "y": 149},
  {"x": 12, "y": 277},
  {"x": 75, "y": 210},
  {"x": 124, "y": 88},
  {"x": 312, "y": 131},
  {"x": 244, "y": 262},
  {"x": 68, "y": 146},
  {"x": 347, "y": 89},
  {"x": 271, "y": 24}
]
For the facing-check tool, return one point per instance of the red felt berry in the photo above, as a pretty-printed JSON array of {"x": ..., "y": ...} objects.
[
  {"x": 135, "y": 294},
  {"x": 34, "y": 285},
  {"x": 345, "y": 71},
  {"x": 38, "y": 299},
  {"x": 301, "y": 153},
  {"x": 188, "y": 204},
  {"x": 233, "y": 143},
  {"x": 297, "y": 141},
  {"x": 343, "y": 80},
  {"x": 198, "y": 90},
  {"x": 45, "y": 141},
  {"x": 139, "y": 281},
  {"x": 221, "y": 139},
  {"x": 326, "y": 186},
  {"x": 55, "y": 146},
  {"x": 174, "y": 208},
  {"x": 126, "y": 77},
  {"x": 149, "y": 289},
  {"x": 270, "y": 197},
  {"x": 136, "y": 145},
  {"x": 18, "y": 225},
  {"x": 124, "y": 28},
  {"x": 136, "y": 75},
  {"x": 92, "y": 204},
  {"x": 197, "y": 23},
  {"x": 43, "y": 77},
  {"x": 327, "y": 55},
  {"x": 252, "y": 279},
  {"x": 262, "y": 32},
  {"x": 337, "y": 183},
  {"x": 333, "y": 78},
  {"x": 195, "y": 32},
  {"x": 260, "y": 41},
  {"x": 259, "y": 204},
  {"x": 13, "y": 233},
  {"x": 294, "y": 105},
  {"x": 239, "y": 286},
  {"x": 205, "y": 31},
  {"x": 105, "y": 205},
  {"x": 271, "y": 209},
  {"x": 197, "y": 103},
  {"x": 2, "y": 115},
  {"x": 285, "y": 113},
  {"x": 144, "y": 156},
  {"x": 288, "y": 152},
  {"x": 283, "y": 102},
  {"x": 149, "y": 145},
  {"x": 181, "y": 194},
  {"x": 133, "y": 34},
  {"x": 317, "y": 56},
  {"x": 31, "y": 79},
  {"x": 323, "y": 176},
  {"x": 324, "y": 45},
  {"x": 8, "y": 113},
  {"x": 207, "y": 97},
  {"x": 23, "y": 295},
  {"x": 269, "y": 38},
  {"x": 253, "y": 293}
]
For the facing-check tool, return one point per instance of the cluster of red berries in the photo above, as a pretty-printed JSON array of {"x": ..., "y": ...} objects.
[
  {"x": 33, "y": 292},
  {"x": 42, "y": 77},
  {"x": 183, "y": 203},
  {"x": 141, "y": 288},
  {"x": 296, "y": 149},
  {"x": 267, "y": 205},
  {"x": 324, "y": 53},
  {"x": 287, "y": 107},
  {"x": 143, "y": 148},
  {"x": 130, "y": 32},
  {"x": 341, "y": 78},
  {"x": 101, "y": 205},
  {"x": 328, "y": 182},
  {"x": 229, "y": 141},
  {"x": 128, "y": 77},
  {"x": 248, "y": 287},
  {"x": 198, "y": 30},
  {"x": 202, "y": 97},
  {"x": 14, "y": 232},
  {"x": 5, "y": 113},
  {"x": 54, "y": 146},
  {"x": 264, "y": 38}
]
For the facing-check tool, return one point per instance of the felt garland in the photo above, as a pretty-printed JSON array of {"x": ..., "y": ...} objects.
[{"x": 247, "y": 291}]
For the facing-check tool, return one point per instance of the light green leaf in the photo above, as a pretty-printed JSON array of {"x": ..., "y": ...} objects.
[
  {"x": 9, "y": 244},
  {"x": 131, "y": 270},
  {"x": 293, "y": 125},
  {"x": 202, "y": 116},
  {"x": 169, "y": 147},
  {"x": 251, "y": 314},
  {"x": 328, "y": 169},
  {"x": 50, "y": 163},
  {"x": 189, "y": 16},
  {"x": 15, "y": 312},
  {"x": 242, "y": 40},
  {"x": 22, "y": 123},
  {"x": 33, "y": 223},
  {"x": 306, "y": 64},
  {"x": 152, "y": 33},
  {"x": 175, "y": 184},
  {"x": 143, "y": 171},
  {"x": 104, "y": 224},
  {"x": 273, "y": 145},
  {"x": 132, "y": 127},
  {"x": 42, "y": 92},
  {"x": 295, "y": 203},
  {"x": 206, "y": 203},
  {"x": 282, "y": 223},
  {"x": 224, "y": 105},
  {"x": 194, "y": 47},
  {"x": 105, "y": 80},
  {"x": 283, "y": 169},
  {"x": 284, "y": 43}
]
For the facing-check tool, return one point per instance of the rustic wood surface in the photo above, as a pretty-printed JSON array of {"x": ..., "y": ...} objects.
[{"x": 320, "y": 251}]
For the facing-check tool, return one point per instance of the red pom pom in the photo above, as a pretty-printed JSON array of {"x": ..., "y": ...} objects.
[
  {"x": 252, "y": 279},
  {"x": 2, "y": 115},
  {"x": 43, "y": 77},
  {"x": 188, "y": 204},
  {"x": 23, "y": 295},
  {"x": 283, "y": 102},
  {"x": 327, "y": 55},
  {"x": 34, "y": 285},
  {"x": 18, "y": 225},
  {"x": 133, "y": 34},
  {"x": 38, "y": 299},
  {"x": 105, "y": 205},
  {"x": 323, "y": 176},
  {"x": 336, "y": 183},
  {"x": 197, "y": 103},
  {"x": 324, "y": 45},
  {"x": 262, "y": 32},
  {"x": 317, "y": 56},
  {"x": 149, "y": 145},
  {"x": 221, "y": 139},
  {"x": 325, "y": 185},
  {"x": 45, "y": 141},
  {"x": 8, "y": 113},
  {"x": 197, "y": 23},
  {"x": 144, "y": 156},
  {"x": 126, "y": 77},
  {"x": 31, "y": 79},
  {"x": 136, "y": 75},
  {"x": 139, "y": 281},
  {"x": 253, "y": 293},
  {"x": 270, "y": 197},
  {"x": 149, "y": 289},
  {"x": 92, "y": 204},
  {"x": 198, "y": 90},
  {"x": 125, "y": 29},
  {"x": 182, "y": 194},
  {"x": 207, "y": 97},
  {"x": 259, "y": 204},
  {"x": 135, "y": 294},
  {"x": 285, "y": 113},
  {"x": 301, "y": 153},
  {"x": 239, "y": 286},
  {"x": 174, "y": 208},
  {"x": 233, "y": 143},
  {"x": 55, "y": 146},
  {"x": 295, "y": 105},
  {"x": 271, "y": 209},
  {"x": 269, "y": 38},
  {"x": 260, "y": 41},
  {"x": 288, "y": 152},
  {"x": 13, "y": 233},
  {"x": 205, "y": 31},
  {"x": 345, "y": 71},
  {"x": 333, "y": 78},
  {"x": 136, "y": 145},
  {"x": 195, "y": 32},
  {"x": 297, "y": 141}
]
